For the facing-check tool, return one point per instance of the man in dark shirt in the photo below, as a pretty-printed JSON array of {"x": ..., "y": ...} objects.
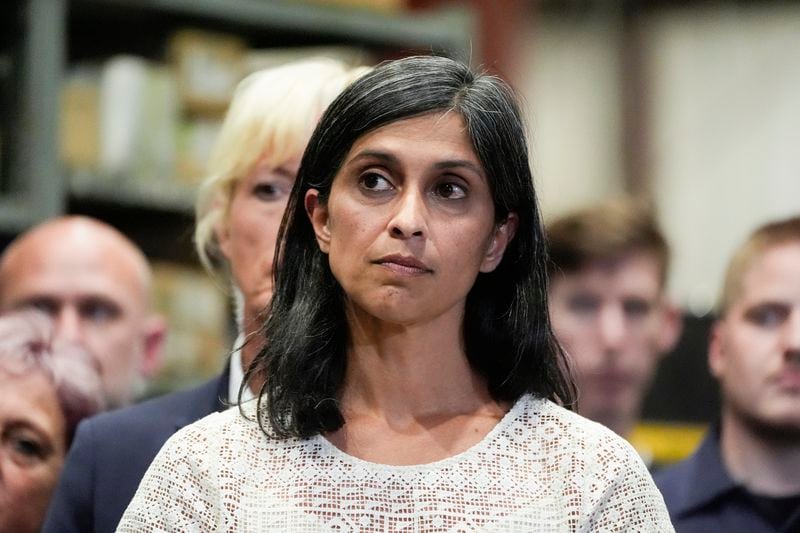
[
  {"x": 746, "y": 474},
  {"x": 609, "y": 307}
]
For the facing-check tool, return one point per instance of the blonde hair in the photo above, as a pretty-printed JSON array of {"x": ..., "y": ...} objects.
[
  {"x": 762, "y": 239},
  {"x": 270, "y": 118}
]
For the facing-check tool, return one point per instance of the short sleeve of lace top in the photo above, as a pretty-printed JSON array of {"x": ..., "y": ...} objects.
[{"x": 542, "y": 468}]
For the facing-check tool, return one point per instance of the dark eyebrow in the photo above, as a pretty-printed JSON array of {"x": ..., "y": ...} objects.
[
  {"x": 373, "y": 154},
  {"x": 391, "y": 159},
  {"x": 460, "y": 163}
]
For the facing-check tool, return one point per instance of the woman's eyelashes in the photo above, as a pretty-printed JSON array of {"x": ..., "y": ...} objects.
[
  {"x": 374, "y": 182},
  {"x": 25, "y": 447},
  {"x": 271, "y": 191},
  {"x": 444, "y": 188},
  {"x": 451, "y": 190}
]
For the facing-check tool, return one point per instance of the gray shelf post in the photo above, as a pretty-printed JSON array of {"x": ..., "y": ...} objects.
[{"x": 37, "y": 186}]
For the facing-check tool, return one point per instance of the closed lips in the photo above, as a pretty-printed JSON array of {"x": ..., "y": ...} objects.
[{"x": 404, "y": 263}]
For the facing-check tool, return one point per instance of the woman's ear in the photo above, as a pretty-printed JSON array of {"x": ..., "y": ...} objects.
[
  {"x": 318, "y": 214},
  {"x": 222, "y": 231},
  {"x": 502, "y": 235}
]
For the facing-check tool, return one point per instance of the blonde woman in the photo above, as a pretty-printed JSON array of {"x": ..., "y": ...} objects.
[{"x": 251, "y": 172}]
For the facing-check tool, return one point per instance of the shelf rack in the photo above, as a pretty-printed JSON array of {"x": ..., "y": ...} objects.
[{"x": 51, "y": 34}]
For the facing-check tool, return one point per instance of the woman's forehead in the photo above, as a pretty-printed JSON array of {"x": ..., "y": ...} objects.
[{"x": 418, "y": 134}]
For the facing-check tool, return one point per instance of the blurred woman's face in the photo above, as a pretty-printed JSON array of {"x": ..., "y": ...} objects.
[
  {"x": 31, "y": 451},
  {"x": 247, "y": 238},
  {"x": 410, "y": 220}
]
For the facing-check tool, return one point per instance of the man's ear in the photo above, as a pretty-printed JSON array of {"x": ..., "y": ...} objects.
[
  {"x": 318, "y": 214},
  {"x": 155, "y": 334},
  {"x": 503, "y": 234},
  {"x": 671, "y": 326},
  {"x": 716, "y": 349}
]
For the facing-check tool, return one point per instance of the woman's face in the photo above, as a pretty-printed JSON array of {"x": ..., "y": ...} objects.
[
  {"x": 409, "y": 222},
  {"x": 247, "y": 238},
  {"x": 31, "y": 450}
]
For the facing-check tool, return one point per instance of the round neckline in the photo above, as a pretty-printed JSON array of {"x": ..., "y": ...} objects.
[{"x": 501, "y": 425}]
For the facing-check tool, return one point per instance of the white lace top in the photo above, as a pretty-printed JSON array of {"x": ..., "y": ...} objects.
[{"x": 542, "y": 468}]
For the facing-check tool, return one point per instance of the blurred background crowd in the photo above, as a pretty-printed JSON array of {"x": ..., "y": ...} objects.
[{"x": 662, "y": 135}]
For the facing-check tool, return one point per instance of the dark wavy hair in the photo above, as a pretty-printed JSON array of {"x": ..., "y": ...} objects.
[{"x": 506, "y": 329}]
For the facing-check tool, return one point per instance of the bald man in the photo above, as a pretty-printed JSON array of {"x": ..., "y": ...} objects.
[{"x": 95, "y": 283}]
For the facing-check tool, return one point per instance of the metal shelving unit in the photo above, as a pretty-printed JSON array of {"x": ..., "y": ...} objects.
[
  {"x": 35, "y": 186},
  {"x": 50, "y": 34}
]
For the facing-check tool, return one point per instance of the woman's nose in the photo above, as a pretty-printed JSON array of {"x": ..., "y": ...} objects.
[{"x": 409, "y": 218}]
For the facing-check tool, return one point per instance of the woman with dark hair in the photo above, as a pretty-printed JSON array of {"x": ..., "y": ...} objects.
[{"x": 409, "y": 378}]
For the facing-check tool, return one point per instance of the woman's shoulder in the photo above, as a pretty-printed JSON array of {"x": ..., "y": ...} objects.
[
  {"x": 567, "y": 430},
  {"x": 543, "y": 413},
  {"x": 236, "y": 424},
  {"x": 595, "y": 470}
]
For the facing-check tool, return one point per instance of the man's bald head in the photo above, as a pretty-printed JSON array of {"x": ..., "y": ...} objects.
[
  {"x": 96, "y": 284},
  {"x": 76, "y": 236}
]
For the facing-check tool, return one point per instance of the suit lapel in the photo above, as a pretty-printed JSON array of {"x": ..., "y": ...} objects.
[{"x": 211, "y": 397}]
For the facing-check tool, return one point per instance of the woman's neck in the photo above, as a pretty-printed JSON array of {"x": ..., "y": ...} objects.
[
  {"x": 408, "y": 371},
  {"x": 410, "y": 395},
  {"x": 253, "y": 342}
]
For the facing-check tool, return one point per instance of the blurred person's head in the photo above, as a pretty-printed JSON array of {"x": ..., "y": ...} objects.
[
  {"x": 252, "y": 170},
  {"x": 95, "y": 284},
  {"x": 755, "y": 344},
  {"x": 46, "y": 387},
  {"x": 607, "y": 277}
]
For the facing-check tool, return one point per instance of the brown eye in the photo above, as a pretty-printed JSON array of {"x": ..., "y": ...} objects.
[
  {"x": 451, "y": 191},
  {"x": 372, "y": 181}
]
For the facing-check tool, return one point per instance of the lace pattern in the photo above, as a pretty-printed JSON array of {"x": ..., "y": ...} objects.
[{"x": 542, "y": 468}]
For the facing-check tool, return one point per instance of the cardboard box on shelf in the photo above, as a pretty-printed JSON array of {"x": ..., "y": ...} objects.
[
  {"x": 79, "y": 132},
  {"x": 196, "y": 138},
  {"x": 208, "y": 66}
]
